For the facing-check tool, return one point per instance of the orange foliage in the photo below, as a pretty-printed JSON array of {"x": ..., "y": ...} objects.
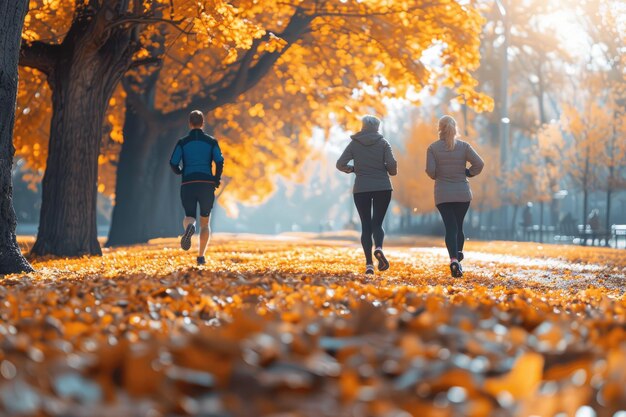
[
  {"x": 354, "y": 55},
  {"x": 138, "y": 327},
  {"x": 413, "y": 189},
  {"x": 589, "y": 126}
]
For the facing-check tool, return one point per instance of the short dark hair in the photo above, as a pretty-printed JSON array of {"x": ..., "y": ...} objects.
[{"x": 196, "y": 118}]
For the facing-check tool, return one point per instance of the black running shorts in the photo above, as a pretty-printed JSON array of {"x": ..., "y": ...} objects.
[{"x": 194, "y": 193}]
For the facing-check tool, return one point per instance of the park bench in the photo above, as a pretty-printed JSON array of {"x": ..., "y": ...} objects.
[
  {"x": 618, "y": 231},
  {"x": 585, "y": 233},
  {"x": 537, "y": 233}
]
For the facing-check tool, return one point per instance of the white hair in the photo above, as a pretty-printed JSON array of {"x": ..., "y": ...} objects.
[{"x": 370, "y": 122}]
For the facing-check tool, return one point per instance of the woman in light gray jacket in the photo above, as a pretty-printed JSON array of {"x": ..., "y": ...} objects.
[
  {"x": 373, "y": 163},
  {"x": 446, "y": 163}
]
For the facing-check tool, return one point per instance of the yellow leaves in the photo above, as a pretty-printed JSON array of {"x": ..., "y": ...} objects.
[
  {"x": 142, "y": 322},
  {"x": 257, "y": 110},
  {"x": 75, "y": 328},
  {"x": 523, "y": 380}
]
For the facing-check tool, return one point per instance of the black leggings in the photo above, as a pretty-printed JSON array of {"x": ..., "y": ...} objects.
[
  {"x": 372, "y": 224},
  {"x": 453, "y": 215}
]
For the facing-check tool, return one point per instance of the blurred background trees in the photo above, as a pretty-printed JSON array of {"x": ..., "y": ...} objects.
[{"x": 283, "y": 85}]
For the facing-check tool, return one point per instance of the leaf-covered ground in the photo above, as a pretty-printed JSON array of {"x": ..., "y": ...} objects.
[{"x": 287, "y": 327}]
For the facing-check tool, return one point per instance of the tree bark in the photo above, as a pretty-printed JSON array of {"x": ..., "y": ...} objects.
[
  {"x": 128, "y": 225},
  {"x": 541, "y": 222},
  {"x": 164, "y": 214},
  {"x": 147, "y": 192},
  {"x": 513, "y": 220},
  {"x": 12, "y": 15},
  {"x": 69, "y": 190},
  {"x": 68, "y": 212},
  {"x": 611, "y": 179},
  {"x": 82, "y": 73}
]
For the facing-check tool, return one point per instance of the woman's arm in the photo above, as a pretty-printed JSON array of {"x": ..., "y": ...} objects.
[
  {"x": 475, "y": 160},
  {"x": 342, "y": 162},
  {"x": 390, "y": 161},
  {"x": 431, "y": 164}
]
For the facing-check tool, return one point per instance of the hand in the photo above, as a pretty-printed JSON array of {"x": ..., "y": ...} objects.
[
  {"x": 468, "y": 174},
  {"x": 218, "y": 183}
]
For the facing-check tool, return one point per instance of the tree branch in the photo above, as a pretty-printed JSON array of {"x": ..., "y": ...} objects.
[
  {"x": 39, "y": 55},
  {"x": 145, "y": 61},
  {"x": 144, "y": 19},
  {"x": 297, "y": 26}
]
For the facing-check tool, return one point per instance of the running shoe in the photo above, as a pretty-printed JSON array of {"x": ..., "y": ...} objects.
[
  {"x": 185, "y": 241},
  {"x": 455, "y": 269},
  {"x": 369, "y": 269},
  {"x": 383, "y": 263},
  {"x": 201, "y": 260}
]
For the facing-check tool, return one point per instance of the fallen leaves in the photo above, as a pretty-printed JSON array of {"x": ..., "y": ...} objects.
[{"x": 289, "y": 328}]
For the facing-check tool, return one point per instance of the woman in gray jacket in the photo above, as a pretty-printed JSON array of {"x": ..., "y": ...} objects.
[
  {"x": 446, "y": 163},
  {"x": 373, "y": 163}
]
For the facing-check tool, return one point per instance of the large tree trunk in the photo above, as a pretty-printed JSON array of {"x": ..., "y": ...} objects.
[
  {"x": 83, "y": 75},
  {"x": 147, "y": 192},
  {"x": 513, "y": 221},
  {"x": 12, "y": 14},
  {"x": 128, "y": 225},
  {"x": 541, "y": 222},
  {"x": 68, "y": 211},
  {"x": 166, "y": 219}
]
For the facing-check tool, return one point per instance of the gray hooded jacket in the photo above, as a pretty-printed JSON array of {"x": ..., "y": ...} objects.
[{"x": 373, "y": 162}]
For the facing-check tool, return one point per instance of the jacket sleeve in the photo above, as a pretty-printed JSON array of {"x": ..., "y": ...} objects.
[
  {"x": 346, "y": 156},
  {"x": 476, "y": 162},
  {"x": 431, "y": 164},
  {"x": 176, "y": 159},
  {"x": 390, "y": 161},
  {"x": 218, "y": 159}
]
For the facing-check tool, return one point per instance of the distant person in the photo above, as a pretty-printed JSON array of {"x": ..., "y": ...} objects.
[
  {"x": 567, "y": 224},
  {"x": 593, "y": 220},
  {"x": 197, "y": 152},
  {"x": 446, "y": 161},
  {"x": 373, "y": 163},
  {"x": 527, "y": 220},
  {"x": 570, "y": 224}
]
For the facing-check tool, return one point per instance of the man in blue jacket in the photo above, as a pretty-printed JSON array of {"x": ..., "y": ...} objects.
[{"x": 197, "y": 152}]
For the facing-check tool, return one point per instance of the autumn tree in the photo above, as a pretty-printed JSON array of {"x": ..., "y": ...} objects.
[
  {"x": 601, "y": 21},
  {"x": 413, "y": 189},
  {"x": 83, "y": 49},
  {"x": 318, "y": 64},
  {"x": 588, "y": 126},
  {"x": 615, "y": 151},
  {"x": 535, "y": 58},
  {"x": 271, "y": 48},
  {"x": 12, "y": 15}
]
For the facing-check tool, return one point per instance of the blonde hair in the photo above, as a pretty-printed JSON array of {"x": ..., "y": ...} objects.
[{"x": 447, "y": 131}]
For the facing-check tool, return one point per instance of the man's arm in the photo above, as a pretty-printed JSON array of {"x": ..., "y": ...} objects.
[
  {"x": 218, "y": 159},
  {"x": 176, "y": 158}
]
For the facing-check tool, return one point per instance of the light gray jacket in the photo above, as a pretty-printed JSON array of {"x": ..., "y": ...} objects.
[
  {"x": 373, "y": 162},
  {"x": 447, "y": 168}
]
